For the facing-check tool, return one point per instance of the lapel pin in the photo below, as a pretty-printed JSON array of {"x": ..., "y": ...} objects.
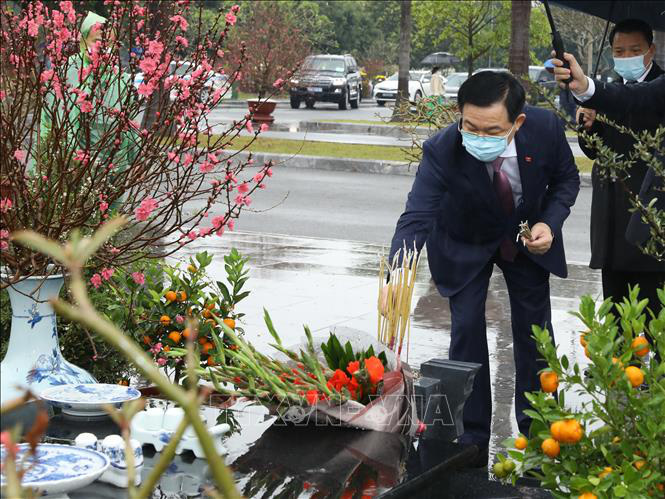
[{"x": 527, "y": 159}]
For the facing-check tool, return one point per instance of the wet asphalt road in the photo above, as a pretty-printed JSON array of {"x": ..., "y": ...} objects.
[{"x": 361, "y": 207}]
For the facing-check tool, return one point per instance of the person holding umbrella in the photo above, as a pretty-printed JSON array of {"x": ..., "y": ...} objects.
[
  {"x": 621, "y": 262},
  {"x": 437, "y": 84}
]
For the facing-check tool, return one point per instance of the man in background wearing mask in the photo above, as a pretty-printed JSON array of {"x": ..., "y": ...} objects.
[
  {"x": 501, "y": 164},
  {"x": 621, "y": 262}
]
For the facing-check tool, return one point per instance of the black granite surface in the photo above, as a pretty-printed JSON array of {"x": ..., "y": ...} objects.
[{"x": 273, "y": 460}]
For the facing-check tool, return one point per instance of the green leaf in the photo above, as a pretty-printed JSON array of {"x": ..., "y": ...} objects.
[
  {"x": 620, "y": 491},
  {"x": 349, "y": 357},
  {"x": 564, "y": 362},
  {"x": 271, "y": 328}
]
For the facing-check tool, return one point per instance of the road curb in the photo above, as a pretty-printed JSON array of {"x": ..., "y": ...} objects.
[{"x": 351, "y": 165}]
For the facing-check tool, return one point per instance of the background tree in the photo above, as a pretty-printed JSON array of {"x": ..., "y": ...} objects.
[
  {"x": 404, "y": 58},
  {"x": 472, "y": 27},
  {"x": 520, "y": 14},
  {"x": 582, "y": 35},
  {"x": 475, "y": 29},
  {"x": 274, "y": 43}
]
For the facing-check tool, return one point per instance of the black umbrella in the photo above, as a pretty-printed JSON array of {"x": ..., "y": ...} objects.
[
  {"x": 651, "y": 11},
  {"x": 439, "y": 59}
]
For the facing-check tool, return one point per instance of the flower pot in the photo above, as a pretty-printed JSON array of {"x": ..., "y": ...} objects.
[
  {"x": 33, "y": 358},
  {"x": 261, "y": 111}
]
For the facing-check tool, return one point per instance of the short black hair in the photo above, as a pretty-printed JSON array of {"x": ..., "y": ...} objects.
[
  {"x": 489, "y": 87},
  {"x": 633, "y": 26},
  {"x": 435, "y": 69}
]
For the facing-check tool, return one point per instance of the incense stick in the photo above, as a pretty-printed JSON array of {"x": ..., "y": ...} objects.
[{"x": 394, "y": 322}]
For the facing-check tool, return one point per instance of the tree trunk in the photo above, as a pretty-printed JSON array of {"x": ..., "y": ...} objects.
[
  {"x": 404, "y": 59},
  {"x": 159, "y": 12},
  {"x": 589, "y": 58},
  {"x": 518, "y": 58}
]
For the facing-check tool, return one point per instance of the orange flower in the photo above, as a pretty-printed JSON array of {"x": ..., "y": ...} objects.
[
  {"x": 374, "y": 369},
  {"x": 312, "y": 397},
  {"x": 355, "y": 389},
  {"x": 353, "y": 366},
  {"x": 339, "y": 380}
]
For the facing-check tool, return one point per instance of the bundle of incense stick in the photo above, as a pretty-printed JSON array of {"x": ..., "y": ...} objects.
[{"x": 395, "y": 321}]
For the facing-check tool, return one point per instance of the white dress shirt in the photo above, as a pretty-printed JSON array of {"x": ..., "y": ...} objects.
[
  {"x": 591, "y": 89},
  {"x": 511, "y": 168}
]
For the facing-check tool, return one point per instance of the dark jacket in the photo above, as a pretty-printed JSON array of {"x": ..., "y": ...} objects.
[
  {"x": 636, "y": 98},
  {"x": 610, "y": 206},
  {"x": 453, "y": 206}
]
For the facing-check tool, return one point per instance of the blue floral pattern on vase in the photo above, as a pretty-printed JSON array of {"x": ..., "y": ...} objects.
[
  {"x": 57, "y": 463},
  {"x": 33, "y": 359},
  {"x": 35, "y": 317},
  {"x": 56, "y": 371}
]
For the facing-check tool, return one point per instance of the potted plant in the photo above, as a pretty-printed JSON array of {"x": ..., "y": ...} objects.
[
  {"x": 162, "y": 306},
  {"x": 609, "y": 443},
  {"x": 268, "y": 62},
  {"x": 77, "y": 154}
]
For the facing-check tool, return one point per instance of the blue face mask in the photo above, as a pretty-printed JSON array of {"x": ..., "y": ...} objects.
[
  {"x": 484, "y": 148},
  {"x": 630, "y": 68}
]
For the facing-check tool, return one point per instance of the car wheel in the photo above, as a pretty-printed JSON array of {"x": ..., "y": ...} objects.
[
  {"x": 344, "y": 103},
  {"x": 309, "y": 103},
  {"x": 356, "y": 101},
  {"x": 295, "y": 103},
  {"x": 381, "y": 103}
]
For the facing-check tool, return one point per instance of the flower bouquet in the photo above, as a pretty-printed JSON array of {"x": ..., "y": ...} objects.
[{"x": 361, "y": 384}]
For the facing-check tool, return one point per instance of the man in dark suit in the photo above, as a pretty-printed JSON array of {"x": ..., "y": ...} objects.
[
  {"x": 622, "y": 263},
  {"x": 503, "y": 163}
]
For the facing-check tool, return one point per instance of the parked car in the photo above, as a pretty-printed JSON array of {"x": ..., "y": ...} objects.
[
  {"x": 541, "y": 76},
  {"x": 453, "y": 82},
  {"x": 386, "y": 91},
  {"x": 327, "y": 78},
  {"x": 184, "y": 69}
]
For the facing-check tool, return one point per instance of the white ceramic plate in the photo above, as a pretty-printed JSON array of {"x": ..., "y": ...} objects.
[
  {"x": 60, "y": 468},
  {"x": 89, "y": 399}
]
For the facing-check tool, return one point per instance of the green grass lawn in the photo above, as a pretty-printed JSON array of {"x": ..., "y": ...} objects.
[{"x": 355, "y": 151}]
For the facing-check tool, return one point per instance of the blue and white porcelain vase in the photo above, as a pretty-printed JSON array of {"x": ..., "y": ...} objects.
[{"x": 33, "y": 358}]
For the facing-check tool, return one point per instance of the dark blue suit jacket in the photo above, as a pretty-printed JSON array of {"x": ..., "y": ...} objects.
[{"x": 453, "y": 207}]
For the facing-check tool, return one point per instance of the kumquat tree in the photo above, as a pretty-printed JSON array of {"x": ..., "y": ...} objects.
[{"x": 603, "y": 434}]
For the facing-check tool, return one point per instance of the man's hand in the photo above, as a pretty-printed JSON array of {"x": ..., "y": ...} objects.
[
  {"x": 579, "y": 84},
  {"x": 589, "y": 116},
  {"x": 541, "y": 239}
]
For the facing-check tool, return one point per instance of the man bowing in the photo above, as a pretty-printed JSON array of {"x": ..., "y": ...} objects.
[{"x": 503, "y": 163}]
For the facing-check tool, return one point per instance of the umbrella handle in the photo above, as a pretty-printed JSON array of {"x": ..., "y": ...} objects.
[{"x": 557, "y": 42}]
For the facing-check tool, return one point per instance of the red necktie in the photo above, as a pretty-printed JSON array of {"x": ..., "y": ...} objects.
[{"x": 504, "y": 192}]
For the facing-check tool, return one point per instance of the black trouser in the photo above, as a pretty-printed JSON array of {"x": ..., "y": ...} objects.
[
  {"x": 529, "y": 295},
  {"x": 616, "y": 282}
]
